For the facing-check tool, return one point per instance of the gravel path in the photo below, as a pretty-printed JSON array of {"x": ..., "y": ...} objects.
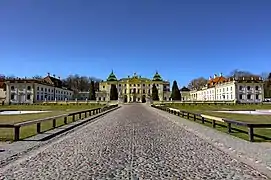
[{"x": 133, "y": 142}]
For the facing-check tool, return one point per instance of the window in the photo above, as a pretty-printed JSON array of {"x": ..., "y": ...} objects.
[
  {"x": 12, "y": 88},
  {"x": 231, "y": 96},
  {"x": 103, "y": 87},
  {"x": 28, "y": 97},
  {"x": 41, "y": 89},
  {"x": 138, "y": 91},
  {"x": 231, "y": 88},
  {"x": 134, "y": 85},
  {"x": 249, "y": 96},
  {"x": 12, "y": 96},
  {"x": 144, "y": 91},
  {"x": 28, "y": 88},
  {"x": 227, "y": 88},
  {"x": 100, "y": 98},
  {"x": 257, "y": 96},
  {"x": 257, "y": 88},
  {"x": 143, "y": 85},
  {"x": 240, "y": 87},
  {"x": 240, "y": 96},
  {"x": 104, "y": 98},
  {"x": 119, "y": 85},
  {"x": 38, "y": 88},
  {"x": 248, "y": 88},
  {"x": 41, "y": 98},
  {"x": 138, "y": 85},
  {"x": 38, "y": 97},
  {"x": 125, "y": 91}
]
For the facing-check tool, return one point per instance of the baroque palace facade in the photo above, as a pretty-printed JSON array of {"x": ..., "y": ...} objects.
[
  {"x": 134, "y": 88},
  {"x": 23, "y": 90},
  {"x": 219, "y": 88}
]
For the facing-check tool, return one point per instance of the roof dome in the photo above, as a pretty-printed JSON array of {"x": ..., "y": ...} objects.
[
  {"x": 112, "y": 77},
  {"x": 157, "y": 77}
]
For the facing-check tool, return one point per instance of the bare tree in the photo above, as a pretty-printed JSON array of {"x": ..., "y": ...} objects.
[{"x": 197, "y": 83}]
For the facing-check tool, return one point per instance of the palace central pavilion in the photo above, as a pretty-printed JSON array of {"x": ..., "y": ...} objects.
[{"x": 134, "y": 88}]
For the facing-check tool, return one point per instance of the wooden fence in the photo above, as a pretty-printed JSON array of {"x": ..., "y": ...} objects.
[
  {"x": 223, "y": 122},
  {"x": 75, "y": 116}
]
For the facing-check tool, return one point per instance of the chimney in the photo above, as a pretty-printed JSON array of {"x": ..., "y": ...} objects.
[
  {"x": 48, "y": 74},
  {"x": 215, "y": 76},
  {"x": 220, "y": 74},
  {"x": 210, "y": 78}
]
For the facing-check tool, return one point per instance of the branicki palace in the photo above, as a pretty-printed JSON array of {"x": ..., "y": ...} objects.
[
  {"x": 134, "y": 88},
  {"x": 219, "y": 88}
]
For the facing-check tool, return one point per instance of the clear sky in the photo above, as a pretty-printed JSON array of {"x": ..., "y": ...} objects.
[{"x": 182, "y": 39}]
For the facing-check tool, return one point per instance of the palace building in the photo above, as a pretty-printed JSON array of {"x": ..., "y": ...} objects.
[
  {"x": 23, "y": 90},
  {"x": 219, "y": 88},
  {"x": 134, "y": 88}
]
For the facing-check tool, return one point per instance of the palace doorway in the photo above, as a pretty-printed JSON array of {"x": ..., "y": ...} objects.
[
  {"x": 143, "y": 99},
  {"x": 125, "y": 99}
]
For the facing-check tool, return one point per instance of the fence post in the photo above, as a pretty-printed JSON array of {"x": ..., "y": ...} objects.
[
  {"x": 73, "y": 117},
  {"x": 54, "y": 123},
  {"x": 213, "y": 123},
  {"x": 194, "y": 117},
  {"x": 85, "y": 114},
  {"x": 65, "y": 120},
  {"x": 38, "y": 128},
  {"x": 250, "y": 133},
  {"x": 188, "y": 115},
  {"x": 202, "y": 120},
  {"x": 17, "y": 133},
  {"x": 80, "y": 115},
  {"x": 229, "y": 127}
]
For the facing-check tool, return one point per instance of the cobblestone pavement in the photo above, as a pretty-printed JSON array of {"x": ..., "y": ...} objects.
[{"x": 133, "y": 142}]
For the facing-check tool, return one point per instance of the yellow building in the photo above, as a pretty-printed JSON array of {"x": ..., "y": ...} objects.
[{"x": 134, "y": 88}]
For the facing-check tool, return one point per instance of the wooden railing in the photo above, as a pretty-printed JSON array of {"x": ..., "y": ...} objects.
[
  {"x": 75, "y": 116},
  {"x": 223, "y": 122}
]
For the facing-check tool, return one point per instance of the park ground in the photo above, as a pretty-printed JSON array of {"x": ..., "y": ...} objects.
[
  {"x": 250, "y": 118},
  {"x": 7, "y": 134}
]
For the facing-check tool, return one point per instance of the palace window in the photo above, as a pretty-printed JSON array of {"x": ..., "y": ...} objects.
[
  {"x": 138, "y": 85},
  {"x": 134, "y": 85},
  {"x": 28, "y": 97},
  {"x": 100, "y": 98},
  {"x": 28, "y": 88},
  {"x": 144, "y": 91},
  {"x": 41, "y": 89},
  {"x": 119, "y": 85},
  {"x": 143, "y": 85},
  {"x": 248, "y": 88},
  {"x": 103, "y": 87},
  {"x": 249, "y": 96},
  {"x": 38, "y": 97},
  {"x": 12, "y": 87},
  {"x": 240, "y": 96},
  {"x": 12, "y": 96},
  {"x": 240, "y": 87},
  {"x": 104, "y": 98},
  {"x": 257, "y": 88},
  {"x": 257, "y": 96},
  {"x": 138, "y": 91},
  {"x": 38, "y": 88}
]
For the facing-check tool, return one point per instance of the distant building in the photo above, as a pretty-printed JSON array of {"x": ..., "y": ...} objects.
[
  {"x": 134, "y": 88},
  {"x": 83, "y": 95},
  {"x": 240, "y": 90},
  {"x": 22, "y": 90}
]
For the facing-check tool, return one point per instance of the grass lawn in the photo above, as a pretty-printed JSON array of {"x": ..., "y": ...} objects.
[
  {"x": 209, "y": 110},
  {"x": 26, "y": 131}
]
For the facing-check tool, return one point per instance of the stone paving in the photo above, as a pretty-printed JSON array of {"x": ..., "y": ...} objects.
[{"x": 134, "y": 142}]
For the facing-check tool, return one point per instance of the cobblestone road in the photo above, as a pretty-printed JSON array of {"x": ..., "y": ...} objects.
[{"x": 133, "y": 142}]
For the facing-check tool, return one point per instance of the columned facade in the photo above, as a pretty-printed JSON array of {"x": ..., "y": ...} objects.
[{"x": 134, "y": 88}]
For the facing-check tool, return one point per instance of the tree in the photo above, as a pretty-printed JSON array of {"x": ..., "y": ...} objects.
[
  {"x": 92, "y": 91},
  {"x": 113, "y": 92},
  {"x": 175, "y": 94},
  {"x": 155, "y": 96},
  {"x": 197, "y": 83},
  {"x": 240, "y": 73}
]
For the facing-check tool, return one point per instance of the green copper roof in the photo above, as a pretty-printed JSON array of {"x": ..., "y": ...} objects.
[
  {"x": 157, "y": 77},
  {"x": 112, "y": 77}
]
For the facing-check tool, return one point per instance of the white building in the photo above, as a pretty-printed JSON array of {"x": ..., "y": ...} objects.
[
  {"x": 36, "y": 90},
  {"x": 241, "y": 90}
]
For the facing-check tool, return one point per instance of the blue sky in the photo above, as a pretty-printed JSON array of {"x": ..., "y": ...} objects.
[{"x": 181, "y": 39}]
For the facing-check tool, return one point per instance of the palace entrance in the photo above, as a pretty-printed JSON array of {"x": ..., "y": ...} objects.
[{"x": 143, "y": 99}]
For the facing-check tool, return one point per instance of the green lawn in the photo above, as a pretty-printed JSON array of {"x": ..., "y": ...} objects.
[
  {"x": 7, "y": 134},
  {"x": 209, "y": 110}
]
